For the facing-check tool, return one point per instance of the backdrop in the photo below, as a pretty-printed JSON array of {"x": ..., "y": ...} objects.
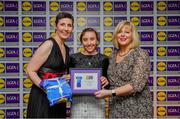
[{"x": 26, "y": 23}]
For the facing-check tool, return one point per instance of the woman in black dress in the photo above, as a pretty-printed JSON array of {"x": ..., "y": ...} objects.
[{"x": 50, "y": 60}]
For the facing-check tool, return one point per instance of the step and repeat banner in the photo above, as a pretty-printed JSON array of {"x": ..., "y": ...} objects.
[{"x": 24, "y": 24}]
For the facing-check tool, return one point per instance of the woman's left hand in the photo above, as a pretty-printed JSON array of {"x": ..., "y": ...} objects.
[
  {"x": 103, "y": 93},
  {"x": 104, "y": 81}
]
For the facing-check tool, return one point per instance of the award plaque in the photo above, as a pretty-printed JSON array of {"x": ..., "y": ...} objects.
[{"x": 85, "y": 81}]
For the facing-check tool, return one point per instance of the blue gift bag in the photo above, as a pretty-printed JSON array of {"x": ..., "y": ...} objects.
[{"x": 58, "y": 90}]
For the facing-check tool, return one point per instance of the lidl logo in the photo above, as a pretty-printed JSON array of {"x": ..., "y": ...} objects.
[
  {"x": 2, "y": 98},
  {"x": 161, "y": 36},
  {"x": 161, "y": 66},
  {"x": 27, "y": 37},
  {"x": 1, "y": 6},
  {"x": 81, "y": 6},
  {"x": 161, "y": 96},
  {"x": 1, "y": 37},
  {"x": 26, "y": 98},
  {"x": 2, "y": 83},
  {"x": 108, "y": 36},
  {"x": 108, "y": 6},
  {"x": 54, "y": 6},
  {"x": 81, "y": 49},
  {"x": 26, "y": 6},
  {"x": 161, "y": 81},
  {"x": 2, "y": 52},
  {"x": 2, "y": 114},
  {"x": 27, "y": 52},
  {"x": 161, "y": 51},
  {"x": 135, "y": 21},
  {"x": 52, "y": 21},
  {"x": 81, "y": 21},
  {"x": 161, "y": 6},
  {"x": 108, "y": 51},
  {"x": 1, "y": 21},
  {"x": 161, "y": 111},
  {"x": 135, "y": 6},
  {"x": 161, "y": 21},
  {"x": 108, "y": 21},
  {"x": 27, "y": 21},
  {"x": 2, "y": 68},
  {"x": 27, "y": 83}
]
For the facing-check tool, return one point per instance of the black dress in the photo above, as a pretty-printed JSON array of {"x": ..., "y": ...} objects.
[{"x": 38, "y": 106}]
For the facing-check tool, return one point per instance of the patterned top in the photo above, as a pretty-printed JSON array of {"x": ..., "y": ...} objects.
[
  {"x": 134, "y": 69},
  {"x": 87, "y": 106}
]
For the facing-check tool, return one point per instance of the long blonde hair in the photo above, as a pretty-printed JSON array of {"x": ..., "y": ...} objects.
[{"x": 135, "y": 36}]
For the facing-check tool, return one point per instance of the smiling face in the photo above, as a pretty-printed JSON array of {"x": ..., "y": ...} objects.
[
  {"x": 124, "y": 37},
  {"x": 89, "y": 42},
  {"x": 64, "y": 28}
]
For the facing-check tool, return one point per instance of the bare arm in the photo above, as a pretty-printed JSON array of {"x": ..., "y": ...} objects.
[{"x": 37, "y": 61}]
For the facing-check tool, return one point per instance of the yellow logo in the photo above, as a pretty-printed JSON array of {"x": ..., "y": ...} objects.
[
  {"x": 161, "y": 96},
  {"x": 135, "y": 21},
  {"x": 52, "y": 21},
  {"x": 1, "y": 21},
  {"x": 108, "y": 6},
  {"x": 2, "y": 114},
  {"x": 161, "y": 51},
  {"x": 81, "y": 6},
  {"x": 52, "y": 34},
  {"x": 78, "y": 36},
  {"x": 1, "y": 6},
  {"x": 135, "y": 6},
  {"x": 27, "y": 21},
  {"x": 27, "y": 52},
  {"x": 27, "y": 37},
  {"x": 1, "y": 52},
  {"x": 161, "y": 6},
  {"x": 161, "y": 36},
  {"x": 27, "y": 83},
  {"x": 81, "y": 21},
  {"x": 25, "y": 66},
  {"x": 26, "y": 98},
  {"x": 54, "y": 6},
  {"x": 25, "y": 113},
  {"x": 108, "y": 36},
  {"x": 161, "y": 81},
  {"x": 108, "y": 51},
  {"x": 108, "y": 21},
  {"x": 161, "y": 111},
  {"x": 2, "y": 83},
  {"x": 162, "y": 21},
  {"x": 161, "y": 66},
  {"x": 2, "y": 68},
  {"x": 81, "y": 49},
  {"x": 26, "y": 6},
  {"x": 1, "y": 37},
  {"x": 2, "y": 98}
]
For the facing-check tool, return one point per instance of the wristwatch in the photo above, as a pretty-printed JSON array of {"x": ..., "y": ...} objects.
[{"x": 113, "y": 93}]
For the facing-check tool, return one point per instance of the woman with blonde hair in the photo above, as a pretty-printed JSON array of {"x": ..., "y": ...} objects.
[{"x": 128, "y": 72}]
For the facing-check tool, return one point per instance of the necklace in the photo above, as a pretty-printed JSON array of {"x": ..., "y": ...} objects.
[{"x": 124, "y": 53}]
